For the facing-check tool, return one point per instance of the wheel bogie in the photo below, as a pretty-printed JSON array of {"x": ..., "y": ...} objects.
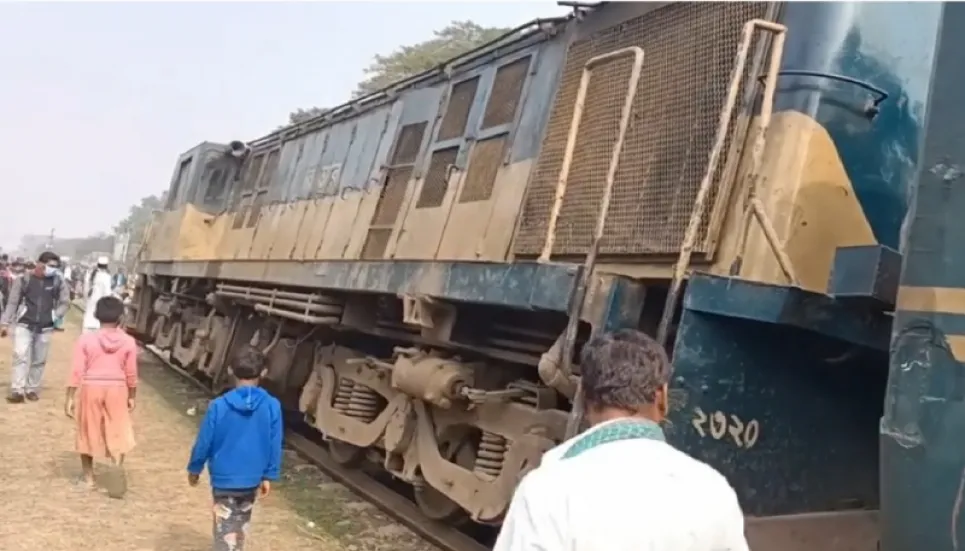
[{"x": 461, "y": 428}]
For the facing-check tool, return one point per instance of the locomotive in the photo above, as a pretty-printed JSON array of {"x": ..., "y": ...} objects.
[{"x": 422, "y": 264}]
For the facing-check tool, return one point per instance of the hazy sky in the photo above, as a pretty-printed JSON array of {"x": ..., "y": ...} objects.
[{"x": 98, "y": 100}]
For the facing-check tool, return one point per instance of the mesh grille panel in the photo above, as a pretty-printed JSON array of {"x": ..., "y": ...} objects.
[
  {"x": 457, "y": 112},
  {"x": 391, "y": 197},
  {"x": 689, "y": 53},
  {"x": 436, "y": 181},
  {"x": 408, "y": 143},
  {"x": 484, "y": 163},
  {"x": 507, "y": 87}
]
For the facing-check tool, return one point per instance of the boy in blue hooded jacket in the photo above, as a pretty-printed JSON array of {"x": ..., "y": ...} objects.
[{"x": 241, "y": 442}]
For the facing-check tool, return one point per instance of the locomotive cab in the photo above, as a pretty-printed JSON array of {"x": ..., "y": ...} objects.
[{"x": 189, "y": 226}]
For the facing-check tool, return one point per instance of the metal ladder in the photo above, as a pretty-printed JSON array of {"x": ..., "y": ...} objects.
[{"x": 753, "y": 208}]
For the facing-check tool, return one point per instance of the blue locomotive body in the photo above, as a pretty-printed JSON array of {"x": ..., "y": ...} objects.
[{"x": 458, "y": 213}]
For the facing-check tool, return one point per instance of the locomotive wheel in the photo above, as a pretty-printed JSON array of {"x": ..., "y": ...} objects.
[
  {"x": 433, "y": 503},
  {"x": 345, "y": 454}
]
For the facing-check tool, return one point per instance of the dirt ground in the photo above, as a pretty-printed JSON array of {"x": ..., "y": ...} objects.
[{"x": 44, "y": 509}]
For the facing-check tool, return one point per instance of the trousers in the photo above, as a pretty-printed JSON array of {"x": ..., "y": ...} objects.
[
  {"x": 232, "y": 514},
  {"x": 29, "y": 359}
]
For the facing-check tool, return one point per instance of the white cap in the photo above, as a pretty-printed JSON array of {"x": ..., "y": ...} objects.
[{"x": 102, "y": 261}]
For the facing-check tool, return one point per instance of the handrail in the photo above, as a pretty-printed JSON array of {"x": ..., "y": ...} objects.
[
  {"x": 870, "y": 110},
  {"x": 697, "y": 214},
  {"x": 563, "y": 375}
]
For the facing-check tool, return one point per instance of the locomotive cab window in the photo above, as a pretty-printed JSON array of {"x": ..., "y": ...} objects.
[
  {"x": 179, "y": 183},
  {"x": 218, "y": 174},
  {"x": 217, "y": 185}
]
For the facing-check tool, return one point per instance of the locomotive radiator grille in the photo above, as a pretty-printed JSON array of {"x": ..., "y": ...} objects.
[
  {"x": 690, "y": 52},
  {"x": 484, "y": 162}
]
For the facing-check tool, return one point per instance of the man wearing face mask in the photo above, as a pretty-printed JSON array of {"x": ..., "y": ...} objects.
[
  {"x": 37, "y": 300},
  {"x": 620, "y": 486}
]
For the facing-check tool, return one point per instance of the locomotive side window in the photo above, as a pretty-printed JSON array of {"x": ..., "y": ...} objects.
[
  {"x": 182, "y": 176},
  {"x": 215, "y": 179}
]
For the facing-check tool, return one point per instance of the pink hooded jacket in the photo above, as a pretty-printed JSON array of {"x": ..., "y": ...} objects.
[{"x": 106, "y": 357}]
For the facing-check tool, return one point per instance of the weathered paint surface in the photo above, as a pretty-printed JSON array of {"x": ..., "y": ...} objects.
[
  {"x": 318, "y": 201},
  {"x": 769, "y": 391},
  {"x": 889, "y": 46},
  {"x": 613, "y": 302},
  {"x": 834, "y": 173},
  {"x": 922, "y": 456}
]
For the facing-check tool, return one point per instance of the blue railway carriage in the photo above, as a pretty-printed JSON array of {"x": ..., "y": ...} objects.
[{"x": 423, "y": 264}]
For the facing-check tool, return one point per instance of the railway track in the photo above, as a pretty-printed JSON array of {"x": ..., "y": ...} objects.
[{"x": 391, "y": 502}]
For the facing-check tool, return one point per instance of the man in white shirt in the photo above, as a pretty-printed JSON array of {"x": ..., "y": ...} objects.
[{"x": 619, "y": 486}]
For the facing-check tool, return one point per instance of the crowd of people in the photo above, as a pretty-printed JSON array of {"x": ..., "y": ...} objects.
[
  {"x": 240, "y": 440},
  {"x": 617, "y": 486}
]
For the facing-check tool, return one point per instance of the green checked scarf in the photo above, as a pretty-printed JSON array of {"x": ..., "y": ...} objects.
[{"x": 624, "y": 429}]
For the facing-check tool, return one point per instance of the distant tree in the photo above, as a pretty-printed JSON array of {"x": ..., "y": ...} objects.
[
  {"x": 300, "y": 115},
  {"x": 140, "y": 215},
  {"x": 455, "y": 39}
]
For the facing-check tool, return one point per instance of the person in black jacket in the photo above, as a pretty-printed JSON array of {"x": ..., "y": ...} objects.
[{"x": 37, "y": 299}]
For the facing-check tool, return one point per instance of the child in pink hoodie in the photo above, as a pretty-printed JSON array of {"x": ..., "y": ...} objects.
[{"x": 100, "y": 395}]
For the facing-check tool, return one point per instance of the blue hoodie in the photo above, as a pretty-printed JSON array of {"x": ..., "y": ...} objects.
[{"x": 240, "y": 440}]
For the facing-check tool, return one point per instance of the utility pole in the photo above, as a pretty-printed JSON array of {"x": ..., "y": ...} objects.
[{"x": 50, "y": 240}]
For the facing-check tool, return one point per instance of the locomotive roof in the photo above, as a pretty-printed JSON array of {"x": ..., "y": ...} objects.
[{"x": 535, "y": 30}]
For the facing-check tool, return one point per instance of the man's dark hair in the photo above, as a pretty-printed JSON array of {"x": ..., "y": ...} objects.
[
  {"x": 109, "y": 309},
  {"x": 623, "y": 369},
  {"x": 47, "y": 257},
  {"x": 248, "y": 363}
]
